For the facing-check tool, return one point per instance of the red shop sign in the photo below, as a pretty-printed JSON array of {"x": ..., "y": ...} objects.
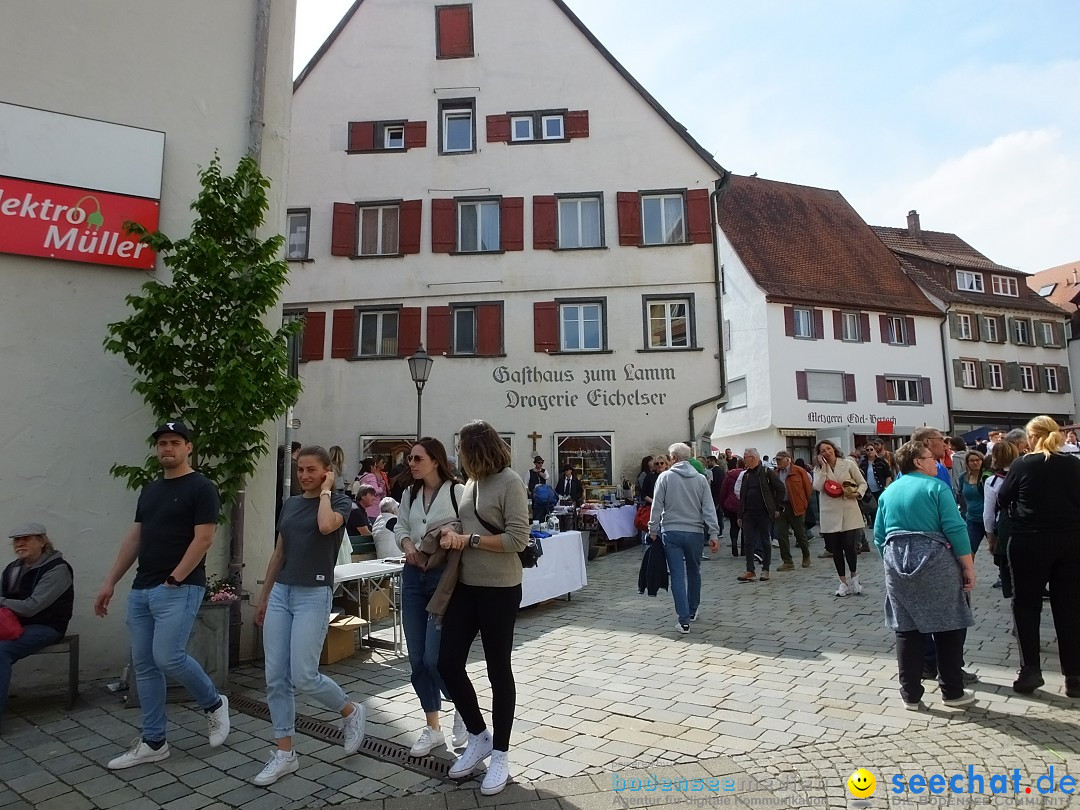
[{"x": 74, "y": 224}]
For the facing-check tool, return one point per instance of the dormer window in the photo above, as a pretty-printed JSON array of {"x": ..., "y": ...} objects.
[{"x": 969, "y": 282}]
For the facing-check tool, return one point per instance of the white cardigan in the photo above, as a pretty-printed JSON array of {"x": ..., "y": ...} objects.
[{"x": 413, "y": 519}]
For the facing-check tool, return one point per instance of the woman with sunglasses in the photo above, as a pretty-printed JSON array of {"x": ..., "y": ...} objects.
[
  {"x": 929, "y": 575},
  {"x": 426, "y": 505}
]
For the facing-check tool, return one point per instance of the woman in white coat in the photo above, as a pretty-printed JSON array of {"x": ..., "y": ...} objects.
[{"x": 841, "y": 484}]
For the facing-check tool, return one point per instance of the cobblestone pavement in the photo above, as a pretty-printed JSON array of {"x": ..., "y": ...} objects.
[{"x": 780, "y": 688}]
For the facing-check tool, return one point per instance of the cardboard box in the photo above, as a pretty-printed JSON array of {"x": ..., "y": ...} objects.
[
  {"x": 340, "y": 640},
  {"x": 375, "y": 603}
]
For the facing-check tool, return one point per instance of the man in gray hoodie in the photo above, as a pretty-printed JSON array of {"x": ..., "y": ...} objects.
[{"x": 682, "y": 509}]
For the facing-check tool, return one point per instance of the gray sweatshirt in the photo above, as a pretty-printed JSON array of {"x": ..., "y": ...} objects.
[
  {"x": 51, "y": 587},
  {"x": 682, "y": 502}
]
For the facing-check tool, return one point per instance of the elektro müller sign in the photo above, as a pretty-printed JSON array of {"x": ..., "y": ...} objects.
[{"x": 68, "y": 185}]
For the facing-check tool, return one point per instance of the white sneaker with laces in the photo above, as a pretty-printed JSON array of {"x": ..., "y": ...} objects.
[
  {"x": 843, "y": 590},
  {"x": 218, "y": 723},
  {"x": 429, "y": 738},
  {"x": 138, "y": 754},
  {"x": 682, "y": 629},
  {"x": 854, "y": 585},
  {"x": 965, "y": 700},
  {"x": 478, "y": 749},
  {"x": 460, "y": 735},
  {"x": 280, "y": 764},
  {"x": 498, "y": 773},
  {"x": 353, "y": 729}
]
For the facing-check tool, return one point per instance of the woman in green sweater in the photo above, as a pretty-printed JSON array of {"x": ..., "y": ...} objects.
[{"x": 929, "y": 573}]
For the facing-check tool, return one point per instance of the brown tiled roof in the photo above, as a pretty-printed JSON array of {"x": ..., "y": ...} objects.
[
  {"x": 808, "y": 245},
  {"x": 933, "y": 258},
  {"x": 1066, "y": 281}
]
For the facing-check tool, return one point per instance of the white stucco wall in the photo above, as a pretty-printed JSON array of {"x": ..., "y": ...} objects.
[{"x": 68, "y": 410}]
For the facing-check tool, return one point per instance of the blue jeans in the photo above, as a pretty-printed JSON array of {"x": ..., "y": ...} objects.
[
  {"x": 683, "y": 553},
  {"x": 293, "y": 634},
  {"x": 159, "y": 620},
  {"x": 976, "y": 533},
  {"x": 33, "y": 638},
  {"x": 757, "y": 531},
  {"x": 422, "y": 634}
]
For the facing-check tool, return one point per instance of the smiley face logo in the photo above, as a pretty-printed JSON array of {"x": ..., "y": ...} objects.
[{"x": 861, "y": 784}]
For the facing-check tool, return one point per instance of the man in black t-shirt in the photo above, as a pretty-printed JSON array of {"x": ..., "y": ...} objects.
[{"x": 175, "y": 522}]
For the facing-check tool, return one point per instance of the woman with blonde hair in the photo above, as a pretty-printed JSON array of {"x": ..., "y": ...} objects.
[
  {"x": 337, "y": 461},
  {"x": 1042, "y": 492},
  {"x": 841, "y": 484}
]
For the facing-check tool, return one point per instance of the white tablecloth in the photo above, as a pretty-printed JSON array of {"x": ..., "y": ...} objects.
[
  {"x": 561, "y": 570},
  {"x": 618, "y": 522}
]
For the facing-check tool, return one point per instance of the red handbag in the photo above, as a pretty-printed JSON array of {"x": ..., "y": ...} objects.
[
  {"x": 641, "y": 518},
  {"x": 10, "y": 626},
  {"x": 834, "y": 489}
]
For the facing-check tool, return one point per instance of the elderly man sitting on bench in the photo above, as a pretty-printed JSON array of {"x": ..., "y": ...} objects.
[{"x": 38, "y": 588}]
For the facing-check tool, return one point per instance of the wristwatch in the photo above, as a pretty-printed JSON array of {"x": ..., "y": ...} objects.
[
  {"x": 171, "y": 580},
  {"x": 326, "y": 492},
  {"x": 474, "y": 541}
]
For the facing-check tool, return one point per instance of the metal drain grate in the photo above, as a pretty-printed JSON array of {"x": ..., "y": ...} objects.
[{"x": 373, "y": 747}]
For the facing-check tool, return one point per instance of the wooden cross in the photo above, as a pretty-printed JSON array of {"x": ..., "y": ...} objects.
[{"x": 534, "y": 436}]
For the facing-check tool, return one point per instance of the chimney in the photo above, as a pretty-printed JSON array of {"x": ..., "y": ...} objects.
[{"x": 913, "y": 228}]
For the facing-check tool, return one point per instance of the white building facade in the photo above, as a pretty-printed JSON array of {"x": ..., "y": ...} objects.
[{"x": 483, "y": 204}]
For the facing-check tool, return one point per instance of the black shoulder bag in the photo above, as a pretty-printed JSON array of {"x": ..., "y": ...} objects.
[{"x": 530, "y": 555}]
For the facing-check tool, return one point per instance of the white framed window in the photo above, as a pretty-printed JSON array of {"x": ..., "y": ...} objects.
[
  {"x": 394, "y": 136},
  {"x": 1051, "y": 380},
  {"x": 903, "y": 389},
  {"x": 990, "y": 329},
  {"x": 552, "y": 127},
  {"x": 897, "y": 332},
  {"x": 804, "y": 323},
  {"x": 582, "y": 327},
  {"x": 580, "y": 223},
  {"x": 963, "y": 326},
  {"x": 478, "y": 226},
  {"x": 378, "y": 231},
  {"x": 825, "y": 386},
  {"x": 1027, "y": 377},
  {"x": 669, "y": 324},
  {"x": 970, "y": 374},
  {"x": 851, "y": 327},
  {"x": 995, "y": 376},
  {"x": 736, "y": 394},
  {"x": 966, "y": 281},
  {"x": 1021, "y": 332},
  {"x": 298, "y": 227},
  {"x": 464, "y": 330},
  {"x": 1004, "y": 285},
  {"x": 457, "y": 130},
  {"x": 521, "y": 128},
  {"x": 1048, "y": 334},
  {"x": 378, "y": 333},
  {"x": 663, "y": 218}
]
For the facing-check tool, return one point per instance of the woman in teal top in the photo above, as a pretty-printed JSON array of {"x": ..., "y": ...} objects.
[{"x": 970, "y": 492}]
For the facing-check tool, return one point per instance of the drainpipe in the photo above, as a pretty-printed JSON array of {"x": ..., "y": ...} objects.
[
  {"x": 714, "y": 200},
  {"x": 945, "y": 366}
]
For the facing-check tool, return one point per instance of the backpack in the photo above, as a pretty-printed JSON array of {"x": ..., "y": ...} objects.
[{"x": 544, "y": 497}]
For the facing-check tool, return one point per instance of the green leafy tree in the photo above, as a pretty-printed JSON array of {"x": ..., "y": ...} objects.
[{"x": 199, "y": 343}]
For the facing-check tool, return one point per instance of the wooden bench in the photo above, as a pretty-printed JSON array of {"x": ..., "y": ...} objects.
[{"x": 70, "y": 646}]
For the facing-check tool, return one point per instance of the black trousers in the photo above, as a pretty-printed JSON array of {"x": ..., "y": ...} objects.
[
  {"x": 491, "y": 612},
  {"x": 844, "y": 545},
  {"x": 1038, "y": 560},
  {"x": 910, "y": 652},
  {"x": 733, "y": 522}
]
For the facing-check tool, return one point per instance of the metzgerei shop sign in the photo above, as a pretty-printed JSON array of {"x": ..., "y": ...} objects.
[{"x": 74, "y": 224}]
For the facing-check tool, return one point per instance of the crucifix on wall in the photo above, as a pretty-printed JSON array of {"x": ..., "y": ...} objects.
[{"x": 535, "y": 437}]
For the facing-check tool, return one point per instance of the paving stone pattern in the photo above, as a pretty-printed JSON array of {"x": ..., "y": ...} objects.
[{"x": 780, "y": 688}]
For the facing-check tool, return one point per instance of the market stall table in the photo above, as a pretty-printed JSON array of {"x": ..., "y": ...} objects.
[
  {"x": 560, "y": 571},
  {"x": 373, "y": 576},
  {"x": 617, "y": 522}
]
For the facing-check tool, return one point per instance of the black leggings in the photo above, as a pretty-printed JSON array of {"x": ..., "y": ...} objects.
[
  {"x": 491, "y": 612},
  {"x": 733, "y": 522},
  {"x": 1038, "y": 560},
  {"x": 844, "y": 544}
]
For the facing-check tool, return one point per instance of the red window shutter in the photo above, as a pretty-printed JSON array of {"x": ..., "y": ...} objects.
[
  {"x": 545, "y": 223},
  {"x": 443, "y": 226},
  {"x": 864, "y": 327},
  {"x": 489, "y": 330},
  {"x": 697, "y": 216},
  {"x": 438, "y": 330},
  {"x": 838, "y": 324},
  {"x": 884, "y": 320},
  {"x": 849, "y": 387},
  {"x": 343, "y": 333},
  {"x": 882, "y": 389},
  {"x": 512, "y": 223},
  {"x": 801, "y": 391},
  {"x": 498, "y": 128},
  {"x": 361, "y": 136},
  {"x": 416, "y": 134},
  {"x": 408, "y": 331},
  {"x": 343, "y": 234},
  {"x": 545, "y": 326},
  {"x": 789, "y": 321},
  {"x": 927, "y": 395},
  {"x": 453, "y": 25},
  {"x": 577, "y": 124},
  {"x": 313, "y": 338},
  {"x": 629, "y": 206},
  {"x": 409, "y": 228},
  {"x": 819, "y": 324},
  {"x": 909, "y": 329}
]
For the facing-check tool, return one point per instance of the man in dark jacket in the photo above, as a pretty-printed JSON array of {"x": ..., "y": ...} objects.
[
  {"x": 760, "y": 498},
  {"x": 569, "y": 488}
]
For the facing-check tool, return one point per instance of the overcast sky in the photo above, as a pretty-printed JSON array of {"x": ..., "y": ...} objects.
[{"x": 966, "y": 110}]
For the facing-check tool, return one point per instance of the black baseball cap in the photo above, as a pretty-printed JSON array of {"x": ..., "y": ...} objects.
[
  {"x": 179, "y": 428},
  {"x": 538, "y": 460}
]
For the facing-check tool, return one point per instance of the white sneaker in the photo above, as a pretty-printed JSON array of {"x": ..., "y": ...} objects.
[
  {"x": 961, "y": 702},
  {"x": 694, "y": 615},
  {"x": 854, "y": 585},
  {"x": 353, "y": 729},
  {"x": 429, "y": 738},
  {"x": 682, "y": 629},
  {"x": 843, "y": 590},
  {"x": 280, "y": 764},
  {"x": 498, "y": 773},
  {"x": 138, "y": 754},
  {"x": 478, "y": 749},
  {"x": 460, "y": 734},
  {"x": 705, "y": 555},
  {"x": 218, "y": 722}
]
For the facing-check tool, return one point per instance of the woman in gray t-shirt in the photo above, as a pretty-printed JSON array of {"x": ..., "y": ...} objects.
[{"x": 294, "y": 610}]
